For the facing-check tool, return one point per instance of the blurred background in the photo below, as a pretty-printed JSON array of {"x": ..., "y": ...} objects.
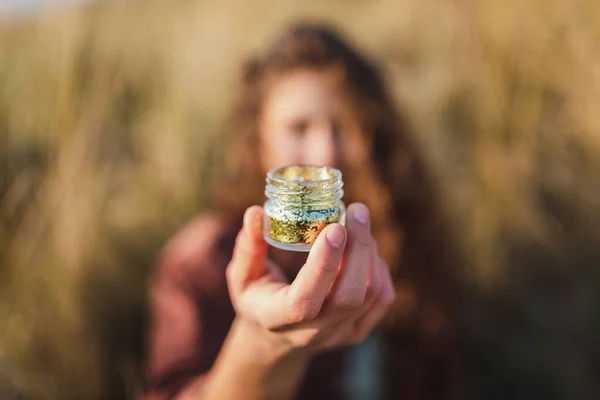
[{"x": 112, "y": 120}]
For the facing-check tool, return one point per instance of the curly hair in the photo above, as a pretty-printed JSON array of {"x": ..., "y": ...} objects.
[{"x": 393, "y": 179}]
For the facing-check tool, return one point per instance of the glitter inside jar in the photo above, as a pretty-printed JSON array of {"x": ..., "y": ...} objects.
[{"x": 302, "y": 200}]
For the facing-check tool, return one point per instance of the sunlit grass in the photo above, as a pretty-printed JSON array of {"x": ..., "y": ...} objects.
[{"x": 113, "y": 116}]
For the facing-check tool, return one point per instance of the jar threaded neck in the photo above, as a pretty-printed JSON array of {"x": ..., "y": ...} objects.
[{"x": 304, "y": 185}]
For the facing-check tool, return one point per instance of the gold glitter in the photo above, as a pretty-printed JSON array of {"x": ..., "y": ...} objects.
[
  {"x": 303, "y": 200},
  {"x": 301, "y": 231}
]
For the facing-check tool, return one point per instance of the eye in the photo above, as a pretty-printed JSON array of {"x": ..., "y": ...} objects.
[{"x": 299, "y": 127}]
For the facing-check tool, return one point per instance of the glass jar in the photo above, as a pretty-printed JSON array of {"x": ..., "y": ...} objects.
[{"x": 301, "y": 201}]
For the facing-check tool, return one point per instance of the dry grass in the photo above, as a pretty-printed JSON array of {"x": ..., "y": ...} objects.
[{"x": 112, "y": 118}]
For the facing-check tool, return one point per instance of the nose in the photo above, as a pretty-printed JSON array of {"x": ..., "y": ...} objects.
[{"x": 321, "y": 146}]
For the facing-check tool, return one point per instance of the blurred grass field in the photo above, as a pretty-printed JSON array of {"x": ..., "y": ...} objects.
[{"x": 113, "y": 119}]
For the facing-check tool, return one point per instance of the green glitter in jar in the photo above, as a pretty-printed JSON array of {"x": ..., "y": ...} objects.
[{"x": 302, "y": 201}]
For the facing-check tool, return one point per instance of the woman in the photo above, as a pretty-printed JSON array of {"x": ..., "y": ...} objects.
[{"x": 248, "y": 332}]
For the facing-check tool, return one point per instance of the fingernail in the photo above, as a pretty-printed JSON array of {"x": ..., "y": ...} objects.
[
  {"x": 336, "y": 236},
  {"x": 361, "y": 214}
]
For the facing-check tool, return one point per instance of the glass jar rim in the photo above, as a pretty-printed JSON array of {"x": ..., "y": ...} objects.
[
  {"x": 287, "y": 184},
  {"x": 276, "y": 174}
]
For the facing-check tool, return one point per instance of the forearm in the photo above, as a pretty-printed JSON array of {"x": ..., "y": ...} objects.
[{"x": 251, "y": 366}]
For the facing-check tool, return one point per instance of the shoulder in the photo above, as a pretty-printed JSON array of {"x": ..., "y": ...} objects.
[
  {"x": 199, "y": 252},
  {"x": 197, "y": 238}
]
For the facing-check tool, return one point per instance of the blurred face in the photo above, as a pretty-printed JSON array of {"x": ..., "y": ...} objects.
[{"x": 304, "y": 116}]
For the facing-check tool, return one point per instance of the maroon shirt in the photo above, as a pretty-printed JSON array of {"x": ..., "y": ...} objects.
[{"x": 191, "y": 313}]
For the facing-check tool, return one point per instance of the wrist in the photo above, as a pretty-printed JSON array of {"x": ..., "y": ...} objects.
[
  {"x": 257, "y": 360},
  {"x": 270, "y": 344}
]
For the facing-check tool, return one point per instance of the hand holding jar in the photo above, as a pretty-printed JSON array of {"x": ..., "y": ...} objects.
[{"x": 337, "y": 298}]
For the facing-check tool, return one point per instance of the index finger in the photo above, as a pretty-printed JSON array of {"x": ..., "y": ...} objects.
[{"x": 308, "y": 291}]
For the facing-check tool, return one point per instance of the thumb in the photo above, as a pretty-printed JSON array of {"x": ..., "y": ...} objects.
[{"x": 250, "y": 253}]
